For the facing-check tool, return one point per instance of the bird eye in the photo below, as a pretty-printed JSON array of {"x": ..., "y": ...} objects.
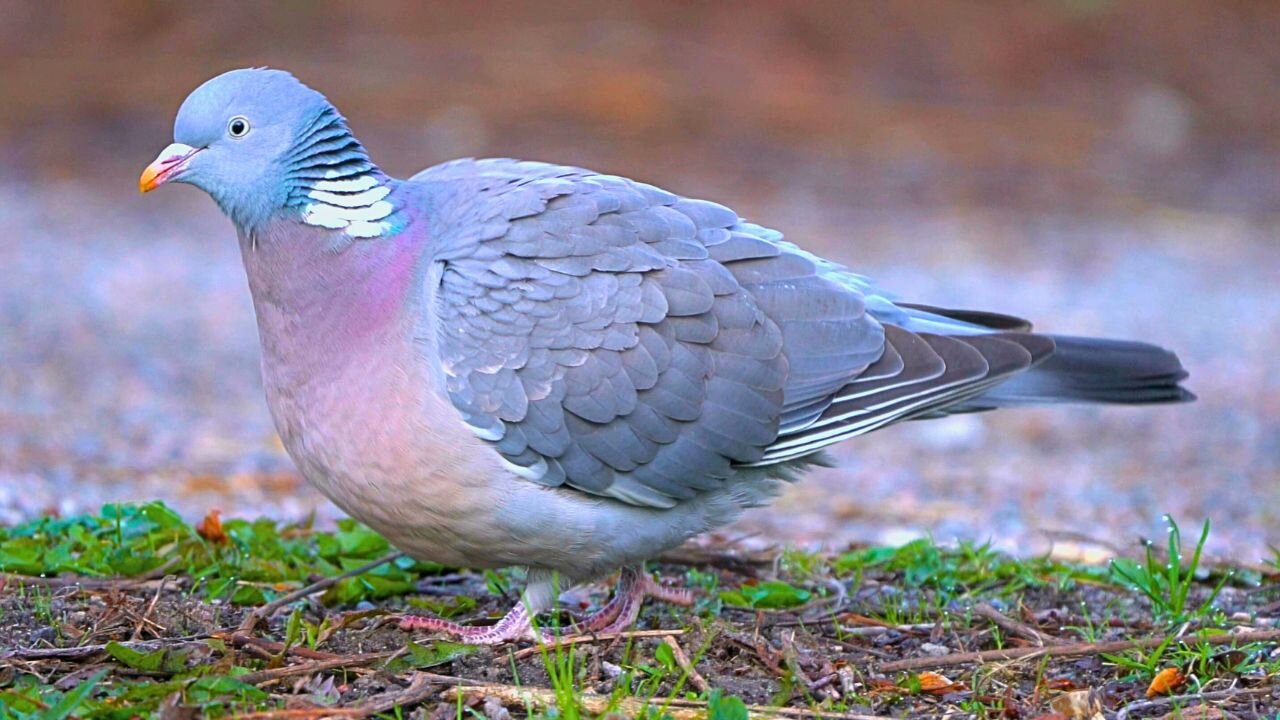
[{"x": 238, "y": 126}]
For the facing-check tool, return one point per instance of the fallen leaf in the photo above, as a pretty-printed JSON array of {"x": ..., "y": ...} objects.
[
  {"x": 1078, "y": 705},
  {"x": 935, "y": 684},
  {"x": 1165, "y": 682},
  {"x": 210, "y": 527},
  {"x": 1229, "y": 659}
]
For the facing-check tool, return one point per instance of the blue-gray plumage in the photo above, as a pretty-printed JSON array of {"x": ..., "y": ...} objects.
[{"x": 499, "y": 362}]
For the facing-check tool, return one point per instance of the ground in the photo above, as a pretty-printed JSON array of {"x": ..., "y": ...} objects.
[{"x": 135, "y": 612}]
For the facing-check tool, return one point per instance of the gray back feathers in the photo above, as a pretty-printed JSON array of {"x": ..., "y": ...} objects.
[{"x": 615, "y": 338}]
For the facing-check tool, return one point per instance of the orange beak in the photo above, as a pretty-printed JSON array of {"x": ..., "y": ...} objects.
[{"x": 168, "y": 165}]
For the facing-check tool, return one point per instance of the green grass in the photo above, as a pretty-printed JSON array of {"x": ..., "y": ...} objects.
[
  {"x": 767, "y": 595},
  {"x": 258, "y": 560},
  {"x": 29, "y": 699},
  {"x": 965, "y": 569},
  {"x": 1166, "y": 581}
]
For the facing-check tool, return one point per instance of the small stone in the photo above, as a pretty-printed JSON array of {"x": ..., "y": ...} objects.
[
  {"x": 495, "y": 710},
  {"x": 935, "y": 650},
  {"x": 848, "y": 683}
]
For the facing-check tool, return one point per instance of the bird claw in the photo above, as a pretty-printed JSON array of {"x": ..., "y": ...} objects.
[
  {"x": 618, "y": 614},
  {"x": 513, "y": 626}
]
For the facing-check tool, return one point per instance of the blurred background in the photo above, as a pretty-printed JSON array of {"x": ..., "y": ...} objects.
[{"x": 1099, "y": 166}]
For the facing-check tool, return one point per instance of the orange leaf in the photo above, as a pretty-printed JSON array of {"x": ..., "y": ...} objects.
[
  {"x": 1078, "y": 705},
  {"x": 1165, "y": 682},
  {"x": 935, "y": 684},
  {"x": 210, "y": 528}
]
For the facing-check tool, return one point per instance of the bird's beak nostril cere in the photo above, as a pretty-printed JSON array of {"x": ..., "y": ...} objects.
[{"x": 168, "y": 164}]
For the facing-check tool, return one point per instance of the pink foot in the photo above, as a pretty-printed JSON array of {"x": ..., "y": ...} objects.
[
  {"x": 623, "y": 608},
  {"x": 513, "y": 626}
]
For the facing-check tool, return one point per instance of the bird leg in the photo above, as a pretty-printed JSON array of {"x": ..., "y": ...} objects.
[
  {"x": 539, "y": 594},
  {"x": 618, "y": 614},
  {"x": 622, "y": 610}
]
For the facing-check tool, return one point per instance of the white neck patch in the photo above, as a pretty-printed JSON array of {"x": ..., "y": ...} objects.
[{"x": 355, "y": 205}]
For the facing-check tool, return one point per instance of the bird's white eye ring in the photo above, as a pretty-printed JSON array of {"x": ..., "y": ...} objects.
[{"x": 238, "y": 126}]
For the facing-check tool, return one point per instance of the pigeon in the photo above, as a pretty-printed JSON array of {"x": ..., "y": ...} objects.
[{"x": 503, "y": 363}]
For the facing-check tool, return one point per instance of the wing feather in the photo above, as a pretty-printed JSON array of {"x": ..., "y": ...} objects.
[
  {"x": 610, "y": 337},
  {"x": 585, "y": 330}
]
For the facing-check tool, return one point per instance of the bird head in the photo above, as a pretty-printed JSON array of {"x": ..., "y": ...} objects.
[{"x": 255, "y": 140}]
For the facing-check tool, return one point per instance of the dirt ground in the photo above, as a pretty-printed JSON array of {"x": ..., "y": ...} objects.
[{"x": 835, "y": 656}]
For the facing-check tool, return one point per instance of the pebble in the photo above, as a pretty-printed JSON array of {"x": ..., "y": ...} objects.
[
  {"x": 494, "y": 709},
  {"x": 934, "y": 650}
]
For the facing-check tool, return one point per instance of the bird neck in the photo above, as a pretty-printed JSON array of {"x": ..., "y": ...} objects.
[
  {"x": 335, "y": 186},
  {"x": 310, "y": 295},
  {"x": 360, "y": 207}
]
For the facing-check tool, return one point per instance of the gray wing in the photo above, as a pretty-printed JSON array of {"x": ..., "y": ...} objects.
[{"x": 615, "y": 338}]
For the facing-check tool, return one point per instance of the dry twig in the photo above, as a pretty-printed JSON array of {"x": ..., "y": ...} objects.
[
  {"x": 309, "y": 713},
  {"x": 1013, "y": 627},
  {"x": 594, "y": 638},
  {"x": 259, "y": 614},
  {"x": 695, "y": 678},
  {"x": 92, "y": 583},
  {"x": 871, "y": 630},
  {"x": 240, "y": 640},
  {"x": 420, "y": 688},
  {"x": 83, "y": 651},
  {"x": 145, "y": 618},
  {"x": 258, "y": 677},
  {"x": 678, "y": 709},
  {"x": 1230, "y": 694},
  {"x": 1067, "y": 650}
]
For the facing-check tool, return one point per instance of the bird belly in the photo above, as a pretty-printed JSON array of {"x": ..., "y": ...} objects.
[
  {"x": 368, "y": 435},
  {"x": 377, "y": 436}
]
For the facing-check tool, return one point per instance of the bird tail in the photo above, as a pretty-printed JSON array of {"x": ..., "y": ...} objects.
[{"x": 1092, "y": 370}]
